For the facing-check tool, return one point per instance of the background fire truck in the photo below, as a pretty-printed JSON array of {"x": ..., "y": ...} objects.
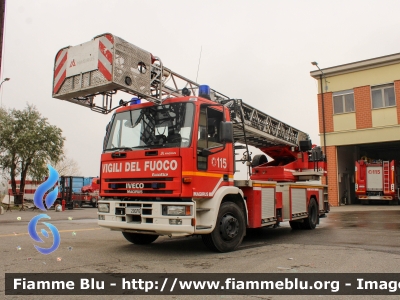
[
  {"x": 168, "y": 162},
  {"x": 75, "y": 190},
  {"x": 377, "y": 180}
]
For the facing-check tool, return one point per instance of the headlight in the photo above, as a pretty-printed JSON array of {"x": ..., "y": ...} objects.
[
  {"x": 104, "y": 207},
  {"x": 176, "y": 210}
]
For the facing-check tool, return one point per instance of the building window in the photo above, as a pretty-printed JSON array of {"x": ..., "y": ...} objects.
[
  {"x": 343, "y": 102},
  {"x": 383, "y": 96}
]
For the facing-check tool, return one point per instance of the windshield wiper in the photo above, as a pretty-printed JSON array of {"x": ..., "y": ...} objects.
[{"x": 119, "y": 148}]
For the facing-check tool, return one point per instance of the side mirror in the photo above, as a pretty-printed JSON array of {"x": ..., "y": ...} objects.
[
  {"x": 226, "y": 132},
  {"x": 205, "y": 152}
]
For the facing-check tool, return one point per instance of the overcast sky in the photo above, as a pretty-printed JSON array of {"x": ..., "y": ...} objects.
[{"x": 259, "y": 51}]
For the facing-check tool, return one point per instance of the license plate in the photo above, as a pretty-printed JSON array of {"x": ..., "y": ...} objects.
[{"x": 135, "y": 211}]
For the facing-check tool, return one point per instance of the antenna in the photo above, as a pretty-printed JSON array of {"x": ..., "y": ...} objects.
[{"x": 198, "y": 67}]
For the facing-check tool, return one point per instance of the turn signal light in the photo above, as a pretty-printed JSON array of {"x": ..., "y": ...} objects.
[{"x": 187, "y": 179}]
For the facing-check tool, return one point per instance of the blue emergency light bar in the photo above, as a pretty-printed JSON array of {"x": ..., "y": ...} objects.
[
  {"x": 134, "y": 101},
  {"x": 205, "y": 91}
]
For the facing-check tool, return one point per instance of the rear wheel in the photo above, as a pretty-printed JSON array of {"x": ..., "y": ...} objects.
[
  {"x": 139, "y": 239},
  {"x": 229, "y": 229},
  {"x": 312, "y": 220}
]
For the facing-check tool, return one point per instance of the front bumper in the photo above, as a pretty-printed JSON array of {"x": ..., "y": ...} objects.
[
  {"x": 383, "y": 198},
  {"x": 123, "y": 216}
]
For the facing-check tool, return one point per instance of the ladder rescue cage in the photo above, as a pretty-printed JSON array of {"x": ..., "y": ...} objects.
[{"x": 108, "y": 64}]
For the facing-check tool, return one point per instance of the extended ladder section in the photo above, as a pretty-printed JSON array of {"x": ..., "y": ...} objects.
[
  {"x": 386, "y": 175},
  {"x": 256, "y": 128},
  {"x": 108, "y": 64}
]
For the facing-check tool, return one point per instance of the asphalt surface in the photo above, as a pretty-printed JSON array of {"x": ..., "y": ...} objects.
[{"x": 352, "y": 239}]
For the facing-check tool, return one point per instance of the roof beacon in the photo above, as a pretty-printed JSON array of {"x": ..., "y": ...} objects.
[
  {"x": 204, "y": 91},
  {"x": 134, "y": 101}
]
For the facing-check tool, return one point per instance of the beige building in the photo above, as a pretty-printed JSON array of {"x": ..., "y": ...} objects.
[{"x": 359, "y": 115}]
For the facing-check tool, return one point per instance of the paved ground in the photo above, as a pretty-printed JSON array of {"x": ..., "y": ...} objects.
[{"x": 351, "y": 239}]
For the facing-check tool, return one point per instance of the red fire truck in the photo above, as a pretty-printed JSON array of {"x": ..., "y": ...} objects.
[
  {"x": 168, "y": 161},
  {"x": 377, "y": 180}
]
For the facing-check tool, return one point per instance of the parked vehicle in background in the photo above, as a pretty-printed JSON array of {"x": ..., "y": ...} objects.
[
  {"x": 75, "y": 190},
  {"x": 377, "y": 180}
]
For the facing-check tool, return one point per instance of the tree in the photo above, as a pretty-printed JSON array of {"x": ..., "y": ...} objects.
[
  {"x": 27, "y": 142},
  {"x": 66, "y": 166},
  {"x": 3, "y": 187}
]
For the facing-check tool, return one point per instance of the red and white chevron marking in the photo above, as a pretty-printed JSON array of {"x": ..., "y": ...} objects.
[
  {"x": 106, "y": 43},
  {"x": 60, "y": 71}
]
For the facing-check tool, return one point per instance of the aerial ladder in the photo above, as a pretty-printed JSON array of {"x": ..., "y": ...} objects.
[
  {"x": 138, "y": 201},
  {"x": 108, "y": 64}
]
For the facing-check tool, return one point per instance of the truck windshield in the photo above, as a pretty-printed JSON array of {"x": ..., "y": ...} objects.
[{"x": 159, "y": 126}]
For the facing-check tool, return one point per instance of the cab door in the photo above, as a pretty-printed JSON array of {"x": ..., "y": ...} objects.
[{"x": 208, "y": 136}]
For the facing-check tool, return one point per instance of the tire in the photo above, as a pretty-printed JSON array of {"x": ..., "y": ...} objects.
[
  {"x": 259, "y": 159},
  {"x": 139, "y": 239},
  {"x": 94, "y": 203},
  {"x": 295, "y": 225},
  {"x": 229, "y": 230},
  {"x": 312, "y": 220}
]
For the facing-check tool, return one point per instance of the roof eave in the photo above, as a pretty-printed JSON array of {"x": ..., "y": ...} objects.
[{"x": 358, "y": 66}]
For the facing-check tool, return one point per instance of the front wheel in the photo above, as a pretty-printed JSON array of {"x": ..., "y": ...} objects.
[
  {"x": 229, "y": 229},
  {"x": 139, "y": 239}
]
